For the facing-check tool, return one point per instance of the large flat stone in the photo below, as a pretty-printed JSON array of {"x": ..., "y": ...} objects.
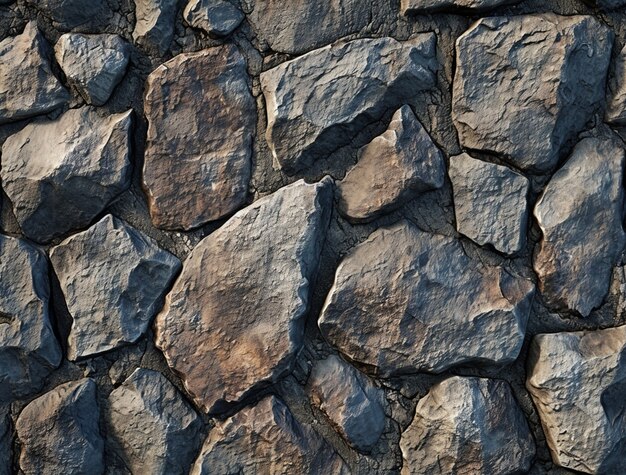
[{"x": 155, "y": 24}]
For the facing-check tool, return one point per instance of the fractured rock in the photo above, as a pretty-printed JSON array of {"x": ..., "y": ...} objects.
[
  {"x": 154, "y": 28},
  {"x": 27, "y": 85},
  {"x": 577, "y": 381},
  {"x": 350, "y": 400},
  {"x": 407, "y": 301},
  {"x": 525, "y": 86},
  {"x": 94, "y": 64},
  {"x": 60, "y": 433},
  {"x": 392, "y": 169},
  {"x": 155, "y": 429},
  {"x": 418, "y": 6},
  {"x": 235, "y": 318},
  {"x": 616, "y": 101},
  {"x": 580, "y": 216},
  {"x": 266, "y": 439},
  {"x": 29, "y": 351},
  {"x": 312, "y": 107},
  {"x": 489, "y": 203},
  {"x": 468, "y": 425},
  {"x": 61, "y": 174},
  {"x": 216, "y": 17},
  {"x": 75, "y": 15},
  {"x": 114, "y": 280},
  {"x": 195, "y": 141}
]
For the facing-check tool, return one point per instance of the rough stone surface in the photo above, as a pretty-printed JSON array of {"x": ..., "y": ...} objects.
[
  {"x": 195, "y": 140},
  {"x": 311, "y": 105},
  {"x": 27, "y": 85},
  {"x": 616, "y": 100},
  {"x": 216, "y": 17},
  {"x": 468, "y": 425},
  {"x": 577, "y": 381},
  {"x": 227, "y": 325},
  {"x": 156, "y": 430},
  {"x": 608, "y": 4},
  {"x": 410, "y": 301},
  {"x": 60, "y": 433},
  {"x": 6, "y": 436},
  {"x": 490, "y": 203},
  {"x": 28, "y": 348},
  {"x": 94, "y": 64},
  {"x": 77, "y": 15},
  {"x": 266, "y": 439},
  {"x": 526, "y": 85},
  {"x": 61, "y": 174},
  {"x": 419, "y": 6},
  {"x": 580, "y": 217},
  {"x": 154, "y": 28},
  {"x": 392, "y": 169},
  {"x": 114, "y": 280},
  {"x": 350, "y": 400}
]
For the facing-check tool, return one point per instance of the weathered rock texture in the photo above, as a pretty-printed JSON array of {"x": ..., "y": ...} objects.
[
  {"x": 6, "y": 441},
  {"x": 420, "y": 6},
  {"x": 227, "y": 325},
  {"x": 154, "y": 28},
  {"x": 616, "y": 100},
  {"x": 79, "y": 15},
  {"x": 216, "y": 17}
]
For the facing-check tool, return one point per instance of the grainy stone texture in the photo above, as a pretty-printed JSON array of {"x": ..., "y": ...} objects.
[
  {"x": 27, "y": 85},
  {"x": 490, "y": 203},
  {"x": 155, "y": 429},
  {"x": 311, "y": 105},
  {"x": 60, "y": 431},
  {"x": 410, "y": 301},
  {"x": 6, "y": 436},
  {"x": 616, "y": 96},
  {"x": 216, "y": 17},
  {"x": 94, "y": 64},
  {"x": 577, "y": 381},
  {"x": 154, "y": 27},
  {"x": 29, "y": 350},
  {"x": 266, "y": 439},
  {"x": 392, "y": 169},
  {"x": 420, "y": 6},
  {"x": 78, "y": 15},
  {"x": 61, "y": 174},
  {"x": 468, "y": 425},
  {"x": 580, "y": 216},
  {"x": 114, "y": 280},
  {"x": 194, "y": 140},
  {"x": 227, "y": 325},
  {"x": 526, "y": 85},
  {"x": 608, "y": 4}
]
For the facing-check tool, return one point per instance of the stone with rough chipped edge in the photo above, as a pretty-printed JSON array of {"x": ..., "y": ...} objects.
[
  {"x": 155, "y": 25},
  {"x": 408, "y": 7},
  {"x": 75, "y": 15},
  {"x": 216, "y": 17},
  {"x": 616, "y": 95}
]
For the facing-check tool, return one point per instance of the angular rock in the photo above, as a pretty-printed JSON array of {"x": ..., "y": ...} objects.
[
  {"x": 29, "y": 351},
  {"x": 406, "y": 301},
  {"x": 419, "y": 6},
  {"x": 193, "y": 140},
  {"x": 76, "y": 15},
  {"x": 216, "y": 17},
  {"x": 580, "y": 216},
  {"x": 60, "y": 433},
  {"x": 154, "y": 28},
  {"x": 577, "y": 381},
  {"x": 61, "y": 174},
  {"x": 616, "y": 101},
  {"x": 350, "y": 400},
  {"x": 468, "y": 425},
  {"x": 266, "y": 439},
  {"x": 392, "y": 169},
  {"x": 6, "y": 443},
  {"x": 489, "y": 203},
  {"x": 155, "y": 429},
  {"x": 525, "y": 86},
  {"x": 235, "y": 318},
  {"x": 94, "y": 64},
  {"x": 312, "y": 108},
  {"x": 27, "y": 85},
  {"x": 114, "y": 280}
]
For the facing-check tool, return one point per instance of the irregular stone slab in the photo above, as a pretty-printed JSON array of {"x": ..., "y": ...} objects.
[
  {"x": 229, "y": 326},
  {"x": 489, "y": 203},
  {"x": 29, "y": 351},
  {"x": 266, "y": 439},
  {"x": 580, "y": 216},
  {"x": 193, "y": 140},
  {"x": 410, "y": 301},
  {"x": 114, "y": 280},
  {"x": 77, "y": 15},
  {"x": 27, "y": 85},
  {"x": 157, "y": 431},
  {"x": 60, "y": 432},
  {"x": 577, "y": 381},
  {"x": 216, "y": 17},
  {"x": 468, "y": 425},
  {"x": 350, "y": 400},
  {"x": 94, "y": 64},
  {"x": 392, "y": 169},
  {"x": 616, "y": 103},
  {"x": 311, "y": 106},
  {"x": 61, "y": 174},
  {"x": 154, "y": 28},
  {"x": 408, "y": 7},
  {"x": 525, "y": 86}
]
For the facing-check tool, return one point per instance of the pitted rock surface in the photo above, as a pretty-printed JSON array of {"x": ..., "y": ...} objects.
[
  {"x": 216, "y": 17},
  {"x": 420, "y": 6}
]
